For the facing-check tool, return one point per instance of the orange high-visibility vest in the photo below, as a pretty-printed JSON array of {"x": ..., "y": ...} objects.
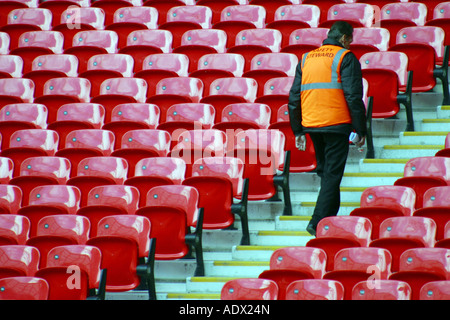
[{"x": 322, "y": 97}]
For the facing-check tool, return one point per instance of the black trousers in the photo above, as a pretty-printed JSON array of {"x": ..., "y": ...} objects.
[{"x": 331, "y": 153}]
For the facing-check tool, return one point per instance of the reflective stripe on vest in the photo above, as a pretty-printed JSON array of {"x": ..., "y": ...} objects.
[{"x": 334, "y": 84}]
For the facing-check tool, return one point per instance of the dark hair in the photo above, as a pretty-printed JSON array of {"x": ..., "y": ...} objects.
[{"x": 340, "y": 28}]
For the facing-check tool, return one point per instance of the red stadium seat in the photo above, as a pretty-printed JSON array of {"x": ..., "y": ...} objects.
[
  {"x": 58, "y": 7},
  {"x": 352, "y": 265},
  {"x": 172, "y": 211},
  {"x": 18, "y": 260},
  {"x": 156, "y": 171},
  {"x": 59, "y": 91},
  {"x": 7, "y": 169},
  {"x": 84, "y": 259},
  {"x": 422, "y": 173},
  {"x": 315, "y": 289},
  {"x": 8, "y": 6},
  {"x": 110, "y": 7},
  {"x": 445, "y": 152},
  {"x": 439, "y": 18},
  {"x": 212, "y": 177},
  {"x": 291, "y": 17},
  {"x": 399, "y": 234},
  {"x": 128, "y": 19},
  {"x": 381, "y": 290},
  {"x": 19, "y": 116},
  {"x": 371, "y": 39},
  {"x": 10, "y": 66},
  {"x": 419, "y": 266},
  {"x": 106, "y": 66},
  {"x": 24, "y": 288},
  {"x": 76, "y": 19},
  {"x": 87, "y": 43},
  {"x": 10, "y": 198},
  {"x": 158, "y": 66},
  {"x": 96, "y": 171},
  {"x": 336, "y": 233},
  {"x": 249, "y": 289},
  {"x": 163, "y": 6},
  {"x": 235, "y": 18},
  {"x": 217, "y": 6},
  {"x": 225, "y": 91},
  {"x": 115, "y": 91},
  {"x": 324, "y": 6},
  {"x": 14, "y": 229},
  {"x": 16, "y": 90},
  {"x": 294, "y": 263},
  {"x": 109, "y": 200},
  {"x": 198, "y": 42},
  {"x": 141, "y": 43},
  {"x": 305, "y": 40},
  {"x": 436, "y": 205},
  {"x": 357, "y": 14},
  {"x": 272, "y": 6},
  {"x": 381, "y": 202},
  {"x": 435, "y": 290}
]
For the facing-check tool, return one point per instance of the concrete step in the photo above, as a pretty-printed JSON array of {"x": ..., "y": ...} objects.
[
  {"x": 410, "y": 151},
  {"x": 434, "y": 125},
  {"x": 423, "y": 138},
  {"x": 443, "y": 112},
  {"x": 383, "y": 165}
]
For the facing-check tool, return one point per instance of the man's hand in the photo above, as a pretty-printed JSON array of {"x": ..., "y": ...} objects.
[
  {"x": 361, "y": 142},
  {"x": 300, "y": 142}
]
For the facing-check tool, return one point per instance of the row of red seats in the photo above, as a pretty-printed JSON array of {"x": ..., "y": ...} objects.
[{"x": 358, "y": 274}]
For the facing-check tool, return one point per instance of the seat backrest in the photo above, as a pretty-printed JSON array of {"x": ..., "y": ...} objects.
[
  {"x": 21, "y": 258},
  {"x": 147, "y": 16},
  {"x": 269, "y": 38},
  {"x": 122, "y": 63},
  {"x": 69, "y": 86},
  {"x": 10, "y": 198},
  {"x": 375, "y": 36},
  {"x": 176, "y": 62},
  {"x": 397, "y": 197},
  {"x": 185, "y": 86},
  {"x": 34, "y": 113},
  {"x": 65, "y": 225},
  {"x": 313, "y": 260},
  {"x": 201, "y": 114},
  {"x": 39, "y": 17},
  {"x": 94, "y": 139},
  {"x": 14, "y": 226},
  {"x": 136, "y": 112},
  {"x": 6, "y": 169},
  {"x": 280, "y": 61},
  {"x": 49, "y": 166},
  {"x": 18, "y": 87},
  {"x": 154, "y": 139},
  {"x": 435, "y": 290},
  {"x": 307, "y": 13},
  {"x": 129, "y": 226},
  {"x": 121, "y": 196},
  {"x": 178, "y": 196},
  {"x": 66, "y": 63},
  {"x": 226, "y": 167},
  {"x": 441, "y": 11},
  {"x": 278, "y": 86},
  {"x": 428, "y": 166},
  {"x": 413, "y": 227},
  {"x": 393, "y": 60},
  {"x": 93, "y": 113},
  {"x": 308, "y": 36},
  {"x": 132, "y": 87},
  {"x": 24, "y": 288},
  {"x": 356, "y": 228},
  {"x": 53, "y": 40},
  {"x": 315, "y": 289},
  {"x": 44, "y": 139},
  {"x": 361, "y": 13},
  {"x": 249, "y": 289},
  {"x": 412, "y": 11},
  {"x": 242, "y": 87},
  {"x": 437, "y": 197},
  {"x": 155, "y": 38},
  {"x": 247, "y": 13},
  {"x": 91, "y": 16},
  {"x": 87, "y": 258},
  {"x": 435, "y": 260},
  {"x": 208, "y": 141},
  {"x": 257, "y": 113},
  {"x": 10, "y": 64},
  {"x": 5, "y": 40},
  {"x": 232, "y": 62},
  {"x": 201, "y": 15},
  {"x": 57, "y": 195},
  {"x": 430, "y": 35},
  {"x": 383, "y": 290},
  {"x": 169, "y": 167},
  {"x": 365, "y": 259},
  {"x": 112, "y": 167},
  {"x": 213, "y": 38},
  {"x": 106, "y": 39}
]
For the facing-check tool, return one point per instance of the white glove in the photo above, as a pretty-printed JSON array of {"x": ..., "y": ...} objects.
[{"x": 300, "y": 142}]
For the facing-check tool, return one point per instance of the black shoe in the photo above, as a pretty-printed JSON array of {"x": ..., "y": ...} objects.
[{"x": 311, "y": 229}]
